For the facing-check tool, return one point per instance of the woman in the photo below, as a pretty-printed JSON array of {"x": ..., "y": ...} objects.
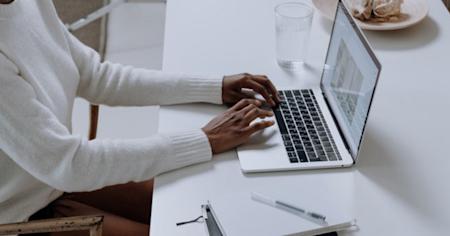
[{"x": 45, "y": 171}]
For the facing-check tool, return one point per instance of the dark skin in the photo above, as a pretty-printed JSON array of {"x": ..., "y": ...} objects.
[
  {"x": 234, "y": 127},
  {"x": 129, "y": 214},
  {"x": 6, "y": 1}
]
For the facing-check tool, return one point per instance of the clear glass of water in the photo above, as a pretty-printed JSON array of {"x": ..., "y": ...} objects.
[{"x": 293, "y": 25}]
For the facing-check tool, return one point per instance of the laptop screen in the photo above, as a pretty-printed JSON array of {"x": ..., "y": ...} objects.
[{"x": 349, "y": 78}]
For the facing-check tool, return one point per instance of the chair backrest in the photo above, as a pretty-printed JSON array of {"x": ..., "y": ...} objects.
[{"x": 93, "y": 35}]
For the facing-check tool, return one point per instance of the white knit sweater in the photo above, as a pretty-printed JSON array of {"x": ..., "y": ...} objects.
[{"x": 42, "y": 69}]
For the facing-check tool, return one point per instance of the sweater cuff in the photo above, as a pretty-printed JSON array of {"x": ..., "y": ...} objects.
[
  {"x": 206, "y": 89},
  {"x": 188, "y": 148}
]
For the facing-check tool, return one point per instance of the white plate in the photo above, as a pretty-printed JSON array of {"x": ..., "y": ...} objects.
[{"x": 413, "y": 10}]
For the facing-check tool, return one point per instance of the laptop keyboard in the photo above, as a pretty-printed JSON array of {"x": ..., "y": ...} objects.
[{"x": 305, "y": 133}]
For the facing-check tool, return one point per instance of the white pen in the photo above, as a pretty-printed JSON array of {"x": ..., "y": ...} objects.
[{"x": 289, "y": 207}]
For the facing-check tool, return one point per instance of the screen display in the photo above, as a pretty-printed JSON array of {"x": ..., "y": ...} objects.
[{"x": 349, "y": 78}]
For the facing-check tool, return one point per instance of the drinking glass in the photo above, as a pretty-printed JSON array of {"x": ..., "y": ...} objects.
[{"x": 293, "y": 25}]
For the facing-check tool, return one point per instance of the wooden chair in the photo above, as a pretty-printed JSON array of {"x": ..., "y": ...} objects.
[
  {"x": 78, "y": 223},
  {"x": 93, "y": 35}
]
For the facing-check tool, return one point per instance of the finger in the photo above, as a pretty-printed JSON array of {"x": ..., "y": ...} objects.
[
  {"x": 248, "y": 108},
  {"x": 257, "y": 127},
  {"x": 269, "y": 86},
  {"x": 250, "y": 94},
  {"x": 251, "y": 109},
  {"x": 238, "y": 96},
  {"x": 245, "y": 102},
  {"x": 257, "y": 113},
  {"x": 260, "y": 89}
]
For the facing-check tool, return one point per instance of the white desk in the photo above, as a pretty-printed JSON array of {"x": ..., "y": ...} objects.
[{"x": 401, "y": 184}]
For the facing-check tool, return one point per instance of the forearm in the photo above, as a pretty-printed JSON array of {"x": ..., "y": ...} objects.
[
  {"x": 33, "y": 137},
  {"x": 117, "y": 85}
]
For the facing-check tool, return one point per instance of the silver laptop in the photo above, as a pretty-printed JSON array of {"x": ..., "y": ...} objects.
[{"x": 323, "y": 127}]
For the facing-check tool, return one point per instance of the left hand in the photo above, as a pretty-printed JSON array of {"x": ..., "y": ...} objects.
[{"x": 236, "y": 87}]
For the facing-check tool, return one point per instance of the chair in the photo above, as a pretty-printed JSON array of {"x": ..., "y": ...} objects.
[
  {"x": 91, "y": 223},
  {"x": 93, "y": 35}
]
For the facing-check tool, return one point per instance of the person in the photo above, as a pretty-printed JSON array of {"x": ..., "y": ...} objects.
[{"x": 46, "y": 171}]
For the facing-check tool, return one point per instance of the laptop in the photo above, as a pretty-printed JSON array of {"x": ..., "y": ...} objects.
[{"x": 322, "y": 127}]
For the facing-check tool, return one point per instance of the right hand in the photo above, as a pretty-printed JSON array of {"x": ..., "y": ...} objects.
[{"x": 232, "y": 128}]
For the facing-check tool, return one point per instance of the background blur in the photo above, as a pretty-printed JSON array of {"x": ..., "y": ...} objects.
[{"x": 135, "y": 37}]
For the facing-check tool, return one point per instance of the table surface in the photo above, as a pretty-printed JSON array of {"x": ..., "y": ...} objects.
[{"x": 400, "y": 184}]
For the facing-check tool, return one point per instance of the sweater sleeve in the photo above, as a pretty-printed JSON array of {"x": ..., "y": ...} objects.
[
  {"x": 117, "y": 85},
  {"x": 34, "y": 138}
]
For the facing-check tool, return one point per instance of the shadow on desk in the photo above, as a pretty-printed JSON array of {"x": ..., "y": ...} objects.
[
  {"x": 196, "y": 169},
  {"x": 423, "y": 33},
  {"x": 394, "y": 172}
]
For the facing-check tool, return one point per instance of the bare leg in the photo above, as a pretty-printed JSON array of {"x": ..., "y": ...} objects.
[
  {"x": 132, "y": 200},
  {"x": 113, "y": 225},
  {"x": 126, "y": 208}
]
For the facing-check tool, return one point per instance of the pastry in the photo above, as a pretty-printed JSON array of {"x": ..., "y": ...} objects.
[
  {"x": 375, "y": 10},
  {"x": 386, "y": 8},
  {"x": 361, "y": 9}
]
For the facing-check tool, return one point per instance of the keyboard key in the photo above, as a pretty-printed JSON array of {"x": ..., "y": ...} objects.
[
  {"x": 331, "y": 156},
  {"x": 287, "y": 142},
  {"x": 302, "y": 156},
  {"x": 287, "y": 139},
  {"x": 300, "y": 125},
  {"x": 323, "y": 157},
  {"x": 313, "y": 157},
  {"x": 299, "y": 147},
  {"x": 280, "y": 121},
  {"x": 303, "y": 128},
  {"x": 292, "y": 157}
]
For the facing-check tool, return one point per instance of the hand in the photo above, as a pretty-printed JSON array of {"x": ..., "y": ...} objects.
[
  {"x": 233, "y": 128},
  {"x": 235, "y": 88}
]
